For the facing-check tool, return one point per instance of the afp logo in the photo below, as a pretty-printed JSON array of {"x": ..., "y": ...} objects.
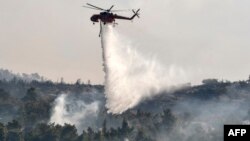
[{"x": 236, "y": 132}]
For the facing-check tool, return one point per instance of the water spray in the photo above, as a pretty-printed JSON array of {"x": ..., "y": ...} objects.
[{"x": 129, "y": 77}]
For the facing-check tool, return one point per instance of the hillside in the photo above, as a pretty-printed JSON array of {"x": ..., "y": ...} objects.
[{"x": 30, "y": 110}]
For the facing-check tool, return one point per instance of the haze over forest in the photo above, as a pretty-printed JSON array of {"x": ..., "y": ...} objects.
[{"x": 44, "y": 110}]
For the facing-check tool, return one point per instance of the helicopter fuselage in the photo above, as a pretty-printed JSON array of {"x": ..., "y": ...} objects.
[{"x": 105, "y": 17}]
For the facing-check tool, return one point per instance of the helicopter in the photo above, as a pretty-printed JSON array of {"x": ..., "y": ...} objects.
[{"x": 107, "y": 16}]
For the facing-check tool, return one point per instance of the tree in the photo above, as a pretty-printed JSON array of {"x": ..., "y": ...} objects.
[
  {"x": 125, "y": 130},
  {"x": 78, "y": 82},
  {"x": 125, "y": 126},
  {"x": 2, "y": 132},
  {"x": 4, "y": 95},
  {"x": 210, "y": 81},
  {"x": 103, "y": 132},
  {"x": 14, "y": 136},
  {"x": 104, "y": 127},
  {"x": 14, "y": 131},
  {"x": 168, "y": 119},
  {"x": 89, "y": 82},
  {"x": 142, "y": 137},
  {"x": 43, "y": 132},
  {"x": 91, "y": 134},
  {"x": 84, "y": 136},
  {"x": 62, "y": 80},
  {"x": 14, "y": 125},
  {"x": 68, "y": 133},
  {"x": 31, "y": 95}
]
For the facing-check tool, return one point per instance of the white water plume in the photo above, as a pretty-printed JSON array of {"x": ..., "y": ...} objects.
[{"x": 130, "y": 77}]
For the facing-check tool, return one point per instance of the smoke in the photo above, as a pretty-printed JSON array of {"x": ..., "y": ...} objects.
[
  {"x": 204, "y": 119},
  {"x": 80, "y": 110},
  {"x": 8, "y": 75},
  {"x": 130, "y": 77}
]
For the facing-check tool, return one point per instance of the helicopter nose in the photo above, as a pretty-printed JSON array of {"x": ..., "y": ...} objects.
[{"x": 94, "y": 18}]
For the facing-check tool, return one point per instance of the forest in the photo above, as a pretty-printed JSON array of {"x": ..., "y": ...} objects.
[{"x": 192, "y": 113}]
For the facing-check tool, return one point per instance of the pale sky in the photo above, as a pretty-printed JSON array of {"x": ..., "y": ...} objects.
[{"x": 55, "y": 38}]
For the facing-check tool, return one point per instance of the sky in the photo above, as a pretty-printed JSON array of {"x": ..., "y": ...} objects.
[{"x": 55, "y": 38}]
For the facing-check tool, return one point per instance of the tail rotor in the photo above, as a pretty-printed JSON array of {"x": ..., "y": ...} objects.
[{"x": 136, "y": 13}]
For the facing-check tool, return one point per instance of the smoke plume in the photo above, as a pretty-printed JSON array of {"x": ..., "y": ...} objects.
[
  {"x": 130, "y": 77},
  {"x": 203, "y": 120},
  {"x": 80, "y": 110}
]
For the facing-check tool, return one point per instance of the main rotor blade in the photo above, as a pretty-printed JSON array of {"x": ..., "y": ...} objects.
[
  {"x": 110, "y": 8},
  {"x": 121, "y": 10},
  {"x": 91, "y": 8},
  {"x": 95, "y": 6}
]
